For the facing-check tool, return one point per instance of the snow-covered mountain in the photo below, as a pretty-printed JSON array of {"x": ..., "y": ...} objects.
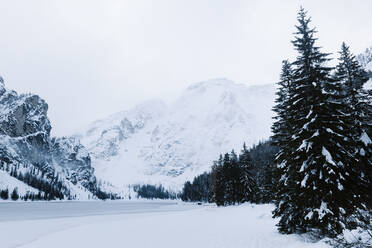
[
  {"x": 159, "y": 143},
  {"x": 33, "y": 162},
  {"x": 365, "y": 58}
]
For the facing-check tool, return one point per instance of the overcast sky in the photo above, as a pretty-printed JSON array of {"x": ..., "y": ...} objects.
[{"x": 90, "y": 58}]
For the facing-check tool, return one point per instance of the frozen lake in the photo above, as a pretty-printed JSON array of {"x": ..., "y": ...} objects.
[
  {"x": 10, "y": 211},
  {"x": 141, "y": 224}
]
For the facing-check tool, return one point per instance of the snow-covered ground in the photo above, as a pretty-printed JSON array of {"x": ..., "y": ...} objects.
[{"x": 135, "y": 224}]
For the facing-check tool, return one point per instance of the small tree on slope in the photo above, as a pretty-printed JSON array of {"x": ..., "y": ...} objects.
[
  {"x": 14, "y": 196},
  {"x": 316, "y": 162}
]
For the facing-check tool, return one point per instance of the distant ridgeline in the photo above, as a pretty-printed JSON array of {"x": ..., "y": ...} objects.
[{"x": 32, "y": 164}]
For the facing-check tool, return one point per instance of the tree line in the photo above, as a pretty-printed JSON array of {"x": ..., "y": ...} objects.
[
  {"x": 149, "y": 191},
  {"x": 32, "y": 196},
  {"x": 51, "y": 187},
  {"x": 234, "y": 179}
]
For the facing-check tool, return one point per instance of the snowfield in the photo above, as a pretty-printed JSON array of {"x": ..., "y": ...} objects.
[{"x": 135, "y": 224}]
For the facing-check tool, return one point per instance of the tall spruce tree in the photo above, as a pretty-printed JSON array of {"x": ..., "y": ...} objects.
[
  {"x": 281, "y": 128},
  {"x": 316, "y": 162},
  {"x": 213, "y": 181},
  {"x": 219, "y": 182},
  {"x": 234, "y": 180},
  {"x": 352, "y": 77},
  {"x": 246, "y": 185},
  {"x": 282, "y": 136},
  {"x": 229, "y": 162}
]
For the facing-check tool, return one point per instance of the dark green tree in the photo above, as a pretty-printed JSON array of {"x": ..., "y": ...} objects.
[
  {"x": 4, "y": 194},
  {"x": 219, "y": 185},
  {"x": 14, "y": 196},
  {"x": 316, "y": 163},
  {"x": 281, "y": 128},
  {"x": 230, "y": 170},
  {"x": 246, "y": 187},
  {"x": 351, "y": 76}
]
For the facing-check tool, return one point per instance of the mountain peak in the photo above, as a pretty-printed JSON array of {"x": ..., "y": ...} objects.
[
  {"x": 212, "y": 83},
  {"x": 156, "y": 143}
]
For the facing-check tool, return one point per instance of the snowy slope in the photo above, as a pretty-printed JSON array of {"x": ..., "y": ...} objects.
[
  {"x": 168, "y": 144},
  {"x": 10, "y": 183}
]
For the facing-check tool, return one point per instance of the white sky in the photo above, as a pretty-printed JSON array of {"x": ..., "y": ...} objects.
[{"x": 90, "y": 58}]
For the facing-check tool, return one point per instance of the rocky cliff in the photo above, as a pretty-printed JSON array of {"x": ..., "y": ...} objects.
[{"x": 28, "y": 153}]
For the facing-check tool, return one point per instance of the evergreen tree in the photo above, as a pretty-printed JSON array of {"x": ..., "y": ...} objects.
[
  {"x": 264, "y": 171},
  {"x": 219, "y": 190},
  {"x": 316, "y": 164},
  {"x": 147, "y": 191},
  {"x": 282, "y": 138},
  {"x": 198, "y": 190},
  {"x": 14, "y": 196},
  {"x": 4, "y": 194},
  {"x": 213, "y": 181},
  {"x": 246, "y": 187},
  {"x": 234, "y": 179},
  {"x": 281, "y": 127},
  {"x": 230, "y": 176},
  {"x": 187, "y": 192},
  {"x": 352, "y": 77}
]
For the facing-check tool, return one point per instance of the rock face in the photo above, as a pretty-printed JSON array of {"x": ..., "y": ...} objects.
[
  {"x": 75, "y": 161},
  {"x": 25, "y": 142},
  {"x": 24, "y": 121},
  {"x": 168, "y": 144}
]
